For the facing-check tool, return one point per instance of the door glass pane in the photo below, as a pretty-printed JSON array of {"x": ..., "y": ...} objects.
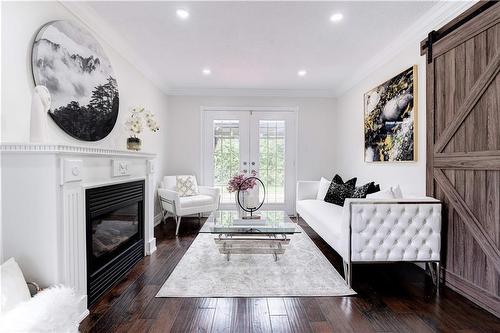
[
  {"x": 272, "y": 159},
  {"x": 226, "y": 155}
]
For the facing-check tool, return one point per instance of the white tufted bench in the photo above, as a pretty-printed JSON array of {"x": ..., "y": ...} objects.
[{"x": 375, "y": 230}]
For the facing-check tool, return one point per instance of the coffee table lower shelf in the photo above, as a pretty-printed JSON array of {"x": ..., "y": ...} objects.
[{"x": 274, "y": 244}]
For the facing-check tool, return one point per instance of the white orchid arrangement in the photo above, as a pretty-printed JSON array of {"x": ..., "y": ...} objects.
[
  {"x": 151, "y": 121},
  {"x": 135, "y": 120}
]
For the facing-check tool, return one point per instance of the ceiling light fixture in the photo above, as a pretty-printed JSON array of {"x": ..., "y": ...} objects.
[
  {"x": 206, "y": 71},
  {"x": 336, "y": 17},
  {"x": 182, "y": 14},
  {"x": 302, "y": 72}
]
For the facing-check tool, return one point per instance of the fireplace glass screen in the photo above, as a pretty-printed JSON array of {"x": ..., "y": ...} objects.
[
  {"x": 113, "y": 229},
  {"x": 115, "y": 234}
]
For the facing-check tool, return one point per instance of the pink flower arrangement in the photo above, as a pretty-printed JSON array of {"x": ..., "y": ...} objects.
[{"x": 241, "y": 180}]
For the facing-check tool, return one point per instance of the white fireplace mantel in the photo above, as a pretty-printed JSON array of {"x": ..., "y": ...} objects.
[
  {"x": 55, "y": 148},
  {"x": 43, "y": 205}
]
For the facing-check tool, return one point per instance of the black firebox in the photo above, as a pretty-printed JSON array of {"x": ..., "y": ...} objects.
[{"x": 115, "y": 234}]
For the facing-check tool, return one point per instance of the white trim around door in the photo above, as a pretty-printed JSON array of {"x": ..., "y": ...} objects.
[{"x": 249, "y": 124}]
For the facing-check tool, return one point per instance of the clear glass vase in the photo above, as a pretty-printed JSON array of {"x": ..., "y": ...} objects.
[{"x": 243, "y": 194}]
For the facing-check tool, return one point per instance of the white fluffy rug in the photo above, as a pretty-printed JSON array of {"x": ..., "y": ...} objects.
[{"x": 302, "y": 271}]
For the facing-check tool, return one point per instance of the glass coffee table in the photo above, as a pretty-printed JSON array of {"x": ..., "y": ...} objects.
[{"x": 267, "y": 235}]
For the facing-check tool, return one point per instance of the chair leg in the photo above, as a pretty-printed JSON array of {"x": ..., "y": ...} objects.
[
  {"x": 178, "y": 221},
  {"x": 199, "y": 218}
]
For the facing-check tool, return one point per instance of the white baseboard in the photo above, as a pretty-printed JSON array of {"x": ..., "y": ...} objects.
[
  {"x": 82, "y": 308},
  {"x": 151, "y": 246},
  {"x": 83, "y": 315},
  {"x": 158, "y": 219}
]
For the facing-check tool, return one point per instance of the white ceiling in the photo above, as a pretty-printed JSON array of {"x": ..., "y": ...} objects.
[{"x": 257, "y": 45}]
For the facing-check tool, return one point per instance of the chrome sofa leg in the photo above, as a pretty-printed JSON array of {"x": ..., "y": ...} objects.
[
  {"x": 199, "y": 218},
  {"x": 348, "y": 273},
  {"x": 178, "y": 221},
  {"x": 437, "y": 277},
  {"x": 434, "y": 272}
]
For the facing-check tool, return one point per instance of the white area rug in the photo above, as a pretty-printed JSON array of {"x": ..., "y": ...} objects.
[{"x": 302, "y": 271}]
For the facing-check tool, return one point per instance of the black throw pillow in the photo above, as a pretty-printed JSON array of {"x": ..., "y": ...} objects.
[
  {"x": 337, "y": 179},
  {"x": 373, "y": 188},
  {"x": 337, "y": 193},
  {"x": 362, "y": 191}
]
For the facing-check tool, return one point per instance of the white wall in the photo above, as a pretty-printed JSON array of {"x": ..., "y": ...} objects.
[
  {"x": 315, "y": 122},
  {"x": 350, "y": 137},
  {"x": 20, "y": 24}
]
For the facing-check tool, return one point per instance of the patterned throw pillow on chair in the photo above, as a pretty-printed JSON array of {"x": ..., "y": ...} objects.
[{"x": 186, "y": 186}]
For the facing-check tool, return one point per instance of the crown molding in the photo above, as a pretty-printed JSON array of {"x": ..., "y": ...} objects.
[
  {"x": 440, "y": 14},
  {"x": 437, "y": 16},
  {"x": 243, "y": 92},
  {"x": 99, "y": 27}
]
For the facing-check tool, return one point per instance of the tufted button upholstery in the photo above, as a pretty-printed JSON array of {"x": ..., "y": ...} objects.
[{"x": 396, "y": 232}]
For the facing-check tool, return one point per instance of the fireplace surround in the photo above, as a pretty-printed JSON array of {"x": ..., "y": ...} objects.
[
  {"x": 114, "y": 234},
  {"x": 48, "y": 240}
]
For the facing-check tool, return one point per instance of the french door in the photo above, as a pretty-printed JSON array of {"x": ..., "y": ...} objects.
[{"x": 249, "y": 141}]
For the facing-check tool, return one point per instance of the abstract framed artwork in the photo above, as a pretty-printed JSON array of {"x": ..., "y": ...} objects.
[
  {"x": 390, "y": 118},
  {"x": 71, "y": 63}
]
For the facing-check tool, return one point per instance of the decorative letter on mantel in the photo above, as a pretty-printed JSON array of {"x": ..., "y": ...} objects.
[{"x": 120, "y": 168}]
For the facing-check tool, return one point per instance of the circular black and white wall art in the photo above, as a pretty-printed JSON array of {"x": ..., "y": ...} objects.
[{"x": 69, "y": 61}]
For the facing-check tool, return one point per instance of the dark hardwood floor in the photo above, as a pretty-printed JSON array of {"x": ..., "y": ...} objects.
[{"x": 391, "y": 298}]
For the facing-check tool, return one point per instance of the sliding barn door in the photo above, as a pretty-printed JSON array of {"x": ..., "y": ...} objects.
[{"x": 463, "y": 152}]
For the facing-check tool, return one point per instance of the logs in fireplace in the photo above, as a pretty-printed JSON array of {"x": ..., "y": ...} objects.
[{"x": 115, "y": 234}]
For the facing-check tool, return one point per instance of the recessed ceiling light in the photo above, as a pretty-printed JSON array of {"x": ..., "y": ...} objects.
[
  {"x": 206, "y": 71},
  {"x": 182, "y": 14},
  {"x": 302, "y": 72},
  {"x": 336, "y": 17}
]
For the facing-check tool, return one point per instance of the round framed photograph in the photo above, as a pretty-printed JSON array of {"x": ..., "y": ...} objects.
[{"x": 71, "y": 63}]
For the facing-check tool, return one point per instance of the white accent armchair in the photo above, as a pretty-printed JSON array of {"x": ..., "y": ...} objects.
[{"x": 207, "y": 200}]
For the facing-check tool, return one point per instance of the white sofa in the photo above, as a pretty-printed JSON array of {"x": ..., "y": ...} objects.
[
  {"x": 375, "y": 230},
  {"x": 207, "y": 200}
]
